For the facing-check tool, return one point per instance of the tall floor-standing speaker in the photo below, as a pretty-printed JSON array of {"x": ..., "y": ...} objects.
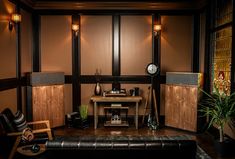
[
  {"x": 181, "y": 100},
  {"x": 45, "y": 97}
]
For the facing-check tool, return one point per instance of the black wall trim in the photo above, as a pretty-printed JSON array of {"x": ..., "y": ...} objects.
[
  {"x": 196, "y": 37},
  {"x": 137, "y": 79},
  {"x": 18, "y": 62},
  {"x": 233, "y": 53},
  {"x": 68, "y": 79},
  {"x": 36, "y": 42},
  {"x": 207, "y": 52},
  {"x": 112, "y": 79},
  {"x": 9, "y": 83},
  {"x": 29, "y": 109},
  {"x": 76, "y": 62},
  {"x": 156, "y": 58}
]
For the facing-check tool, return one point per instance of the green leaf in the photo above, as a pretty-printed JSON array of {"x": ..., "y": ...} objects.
[{"x": 220, "y": 108}]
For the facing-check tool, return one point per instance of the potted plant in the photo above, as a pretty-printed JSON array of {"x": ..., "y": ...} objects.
[
  {"x": 83, "y": 110},
  {"x": 220, "y": 110}
]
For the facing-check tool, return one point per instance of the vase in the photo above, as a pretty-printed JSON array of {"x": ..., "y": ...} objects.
[{"x": 97, "y": 89}]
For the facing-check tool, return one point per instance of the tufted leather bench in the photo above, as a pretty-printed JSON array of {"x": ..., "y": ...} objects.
[{"x": 121, "y": 146}]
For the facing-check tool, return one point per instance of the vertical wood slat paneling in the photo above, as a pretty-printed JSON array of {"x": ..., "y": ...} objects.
[
  {"x": 48, "y": 104},
  {"x": 181, "y": 107},
  {"x": 189, "y": 108},
  {"x": 172, "y": 106}
]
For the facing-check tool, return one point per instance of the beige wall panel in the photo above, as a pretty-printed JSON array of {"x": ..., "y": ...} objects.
[
  {"x": 136, "y": 44},
  {"x": 87, "y": 90},
  {"x": 56, "y": 44},
  {"x": 7, "y": 42},
  {"x": 68, "y": 98},
  {"x": 143, "y": 93},
  {"x": 8, "y": 99},
  {"x": 26, "y": 42},
  {"x": 96, "y": 44},
  {"x": 176, "y": 43}
]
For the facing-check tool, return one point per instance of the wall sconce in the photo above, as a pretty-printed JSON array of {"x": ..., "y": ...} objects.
[
  {"x": 156, "y": 29},
  {"x": 15, "y": 18},
  {"x": 75, "y": 28}
]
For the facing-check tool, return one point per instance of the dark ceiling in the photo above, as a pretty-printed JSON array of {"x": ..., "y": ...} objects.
[
  {"x": 114, "y": 1},
  {"x": 116, "y": 4}
]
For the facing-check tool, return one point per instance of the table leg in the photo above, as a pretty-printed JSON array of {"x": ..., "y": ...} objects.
[
  {"x": 95, "y": 115},
  {"x": 136, "y": 114}
]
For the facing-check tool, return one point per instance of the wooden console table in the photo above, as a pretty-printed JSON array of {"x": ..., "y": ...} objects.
[{"x": 128, "y": 99}]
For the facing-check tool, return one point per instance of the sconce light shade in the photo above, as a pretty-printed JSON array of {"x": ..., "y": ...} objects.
[
  {"x": 16, "y": 18},
  {"x": 157, "y": 28},
  {"x": 75, "y": 27}
]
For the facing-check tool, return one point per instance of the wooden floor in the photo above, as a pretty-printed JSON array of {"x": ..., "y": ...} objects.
[{"x": 204, "y": 140}]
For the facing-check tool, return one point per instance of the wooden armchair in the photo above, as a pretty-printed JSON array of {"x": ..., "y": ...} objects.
[{"x": 11, "y": 130}]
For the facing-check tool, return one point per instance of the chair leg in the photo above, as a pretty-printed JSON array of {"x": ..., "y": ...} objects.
[
  {"x": 14, "y": 148},
  {"x": 49, "y": 135}
]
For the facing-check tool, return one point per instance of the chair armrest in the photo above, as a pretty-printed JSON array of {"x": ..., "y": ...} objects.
[
  {"x": 34, "y": 131},
  {"x": 39, "y": 122},
  {"x": 47, "y": 122},
  {"x": 14, "y": 133},
  {"x": 41, "y": 130}
]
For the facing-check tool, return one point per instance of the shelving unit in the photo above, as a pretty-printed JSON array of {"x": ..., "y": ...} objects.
[
  {"x": 97, "y": 100},
  {"x": 114, "y": 116}
]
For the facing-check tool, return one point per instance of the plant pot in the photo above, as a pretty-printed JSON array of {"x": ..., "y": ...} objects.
[
  {"x": 84, "y": 123},
  {"x": 225, "y": 148}
]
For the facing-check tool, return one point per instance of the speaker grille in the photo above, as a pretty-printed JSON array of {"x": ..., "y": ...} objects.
[{"x": 46, "y": 78}]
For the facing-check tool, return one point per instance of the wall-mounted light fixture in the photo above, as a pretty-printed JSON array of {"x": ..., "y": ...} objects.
[
  {"x": 75, "y": 28},
  {"x": 156, "y": 29},
  {"x": 15, "y": 18}
]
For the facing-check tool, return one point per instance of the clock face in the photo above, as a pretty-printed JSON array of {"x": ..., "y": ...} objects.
[{"x": 152, "y": 69}]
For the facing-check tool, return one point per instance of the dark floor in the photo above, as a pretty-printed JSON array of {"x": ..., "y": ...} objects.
[{"x": 204, "y": 140}]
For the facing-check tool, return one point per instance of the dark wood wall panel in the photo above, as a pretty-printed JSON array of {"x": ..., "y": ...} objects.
[{"x": 112, "y": 71}]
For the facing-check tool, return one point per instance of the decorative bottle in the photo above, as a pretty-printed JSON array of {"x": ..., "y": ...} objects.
[{"x": 97, "y": 89}]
